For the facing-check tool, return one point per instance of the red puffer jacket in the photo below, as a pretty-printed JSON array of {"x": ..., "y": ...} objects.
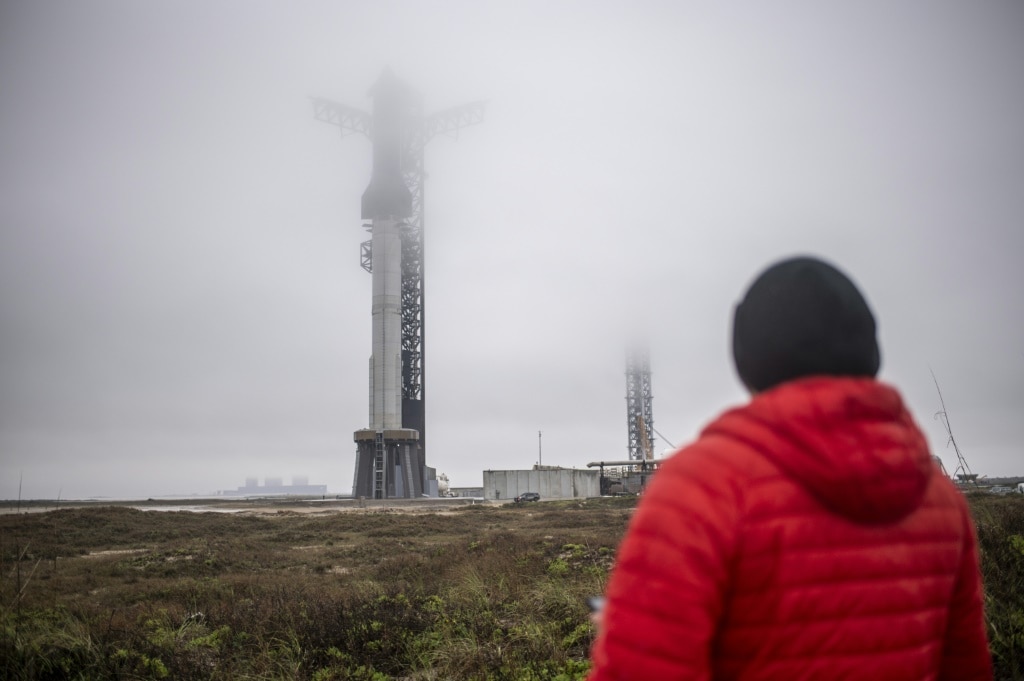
[{"x": 807, "y": 535}]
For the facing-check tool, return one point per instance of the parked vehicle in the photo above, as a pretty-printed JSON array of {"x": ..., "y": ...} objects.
[
  {"x": 1001, "y": 489},
  {"x": 527, "y": 496}
]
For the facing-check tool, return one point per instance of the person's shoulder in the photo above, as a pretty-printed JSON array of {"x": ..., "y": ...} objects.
[
  {"x": 713, "y": 466},
  {"x": 717, "y": 451},
  {"x": 945, "y": 503}
]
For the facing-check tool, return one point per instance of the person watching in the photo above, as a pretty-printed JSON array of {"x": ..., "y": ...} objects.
[{"x": 807, "y": 534}]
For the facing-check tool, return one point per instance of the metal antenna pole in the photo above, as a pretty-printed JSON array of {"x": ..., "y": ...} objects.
[{"x": 962, "y": 469}]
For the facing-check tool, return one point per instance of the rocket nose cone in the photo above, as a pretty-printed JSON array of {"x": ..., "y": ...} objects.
[{"x": 390, "y": 87}]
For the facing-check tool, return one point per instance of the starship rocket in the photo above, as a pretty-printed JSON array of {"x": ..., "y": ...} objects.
[
  {"x": 390, "y": 450},
  {"x": 387, "y": 201},
  {"x": 389, "y": 460}
]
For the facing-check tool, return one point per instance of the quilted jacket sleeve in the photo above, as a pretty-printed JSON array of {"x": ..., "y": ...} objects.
[
  {"x": 667, "y": 590},
  {"x": 965, "y": 649}
]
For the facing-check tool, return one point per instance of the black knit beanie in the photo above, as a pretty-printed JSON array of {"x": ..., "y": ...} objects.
[{"x": 802, "y": 317}]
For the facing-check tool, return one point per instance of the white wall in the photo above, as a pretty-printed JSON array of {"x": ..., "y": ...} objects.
[{"x": 564, "y": 483}]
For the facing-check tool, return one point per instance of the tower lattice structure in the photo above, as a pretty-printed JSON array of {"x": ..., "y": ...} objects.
[{"x": 639, "y": 412}]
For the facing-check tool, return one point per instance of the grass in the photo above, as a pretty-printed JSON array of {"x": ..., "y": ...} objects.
[
  {"x": 481, "y": 592},
  {"x": 1000, "y": 524}
]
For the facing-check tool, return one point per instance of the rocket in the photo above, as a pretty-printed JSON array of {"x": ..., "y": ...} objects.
[
  {"x": 388, "y": 193},
  {"x": 390, "y": 451},
  {"x": 387, "y": 201}
]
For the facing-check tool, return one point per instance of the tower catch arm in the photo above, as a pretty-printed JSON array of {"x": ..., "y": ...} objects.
[
  {"x": 451, "y": 120},
  {"x": 349, "y": 119}
]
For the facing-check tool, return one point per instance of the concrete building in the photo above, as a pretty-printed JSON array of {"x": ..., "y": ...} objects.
[{"x": 549, "y": 481}]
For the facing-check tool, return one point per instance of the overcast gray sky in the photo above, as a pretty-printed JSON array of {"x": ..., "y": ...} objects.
[{"x": 181, "y": 302}]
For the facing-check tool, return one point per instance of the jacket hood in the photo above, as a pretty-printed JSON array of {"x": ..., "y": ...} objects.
[{"x": 850, "y": 442}]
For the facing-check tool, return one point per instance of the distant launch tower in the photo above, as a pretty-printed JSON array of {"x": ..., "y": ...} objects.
[
  {"x": 391, "y": 451},
  {"x": 639, "y": 411}
]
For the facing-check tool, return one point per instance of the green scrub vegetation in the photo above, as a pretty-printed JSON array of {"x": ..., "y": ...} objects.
[{"x": 479, "y": 592}]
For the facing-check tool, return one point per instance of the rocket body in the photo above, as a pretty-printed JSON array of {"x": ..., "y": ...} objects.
[
  {"x": 386, "y": 361},
  {"x": 387, "y": 201},
  {"x": 389, "y": 458}
]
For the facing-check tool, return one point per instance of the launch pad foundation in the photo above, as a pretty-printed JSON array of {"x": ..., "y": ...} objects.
[{"x": 390, "y": 464}]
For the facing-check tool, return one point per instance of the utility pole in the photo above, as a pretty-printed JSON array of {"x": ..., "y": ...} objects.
[
  {"x": 963, "y": 472},
  {"x": 540, "y": 451}
]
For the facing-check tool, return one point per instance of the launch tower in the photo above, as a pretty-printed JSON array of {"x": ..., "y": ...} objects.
[
  {"x": 639, "y": 412},
  {"x": 391, "y": 451}
]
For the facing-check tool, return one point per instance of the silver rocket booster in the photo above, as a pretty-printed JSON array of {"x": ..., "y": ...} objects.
[
  {"x": 387, "y": 201},
  {"x": 386, "y": 361}
]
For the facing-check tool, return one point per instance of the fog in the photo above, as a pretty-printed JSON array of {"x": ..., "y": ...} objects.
[{"x": 181, "y": 302}]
